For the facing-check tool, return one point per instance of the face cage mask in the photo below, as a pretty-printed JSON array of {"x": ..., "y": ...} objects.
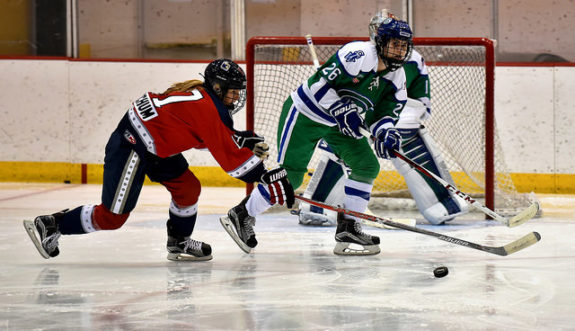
[
  {"x": 237, "y": 105},
  {"x": 393, "y": 63}
]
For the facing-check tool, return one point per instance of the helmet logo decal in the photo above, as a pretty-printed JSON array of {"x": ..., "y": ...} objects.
[
  {"x": 226, "y": 66},
  {"x": 354, "y": 56}
]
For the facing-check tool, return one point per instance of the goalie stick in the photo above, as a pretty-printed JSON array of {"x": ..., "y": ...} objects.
[
  {"x": 516, "y": 220},
  {"x": 512, "y": 247}
]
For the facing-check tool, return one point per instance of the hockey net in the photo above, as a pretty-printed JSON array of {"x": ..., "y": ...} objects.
[{"x": 461, "y": 72}]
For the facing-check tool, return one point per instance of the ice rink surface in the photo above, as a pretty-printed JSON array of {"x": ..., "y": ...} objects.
[{"x": 121, "y": 280}]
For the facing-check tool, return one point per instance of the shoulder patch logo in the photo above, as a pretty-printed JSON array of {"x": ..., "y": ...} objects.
[{"x": 353, "y": 56}]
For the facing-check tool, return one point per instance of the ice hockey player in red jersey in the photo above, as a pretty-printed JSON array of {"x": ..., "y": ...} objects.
[{"x": 149, "y": 141}]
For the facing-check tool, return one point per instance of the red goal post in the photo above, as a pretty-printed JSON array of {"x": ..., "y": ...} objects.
[{"x": 277, "y": 65}]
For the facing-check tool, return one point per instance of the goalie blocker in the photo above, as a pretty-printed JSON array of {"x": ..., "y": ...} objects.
[{"x": 436, "y": 204}]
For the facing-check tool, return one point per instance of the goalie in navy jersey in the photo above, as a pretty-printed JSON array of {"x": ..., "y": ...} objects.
[
  {"x": 361, "y": 85},
  {"x": 149, "y": 141}
]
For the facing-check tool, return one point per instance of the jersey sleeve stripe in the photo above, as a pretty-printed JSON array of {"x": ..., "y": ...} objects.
[
  {"x": 143, "y": 133},
  {"x": 245, "y": 167}
]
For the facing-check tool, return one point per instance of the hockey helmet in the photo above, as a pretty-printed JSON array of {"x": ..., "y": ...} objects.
[
  {"x": 391, "y": 30},
  {"x": 222, "y": 75}
]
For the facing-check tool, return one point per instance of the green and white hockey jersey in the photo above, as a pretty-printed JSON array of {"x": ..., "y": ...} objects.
[
  {"x": 417, "y": 79},
  {"x": 351, "y": 75}
]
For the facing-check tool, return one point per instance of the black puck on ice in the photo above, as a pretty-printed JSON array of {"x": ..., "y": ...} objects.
[{"x": 440, "y": 272}]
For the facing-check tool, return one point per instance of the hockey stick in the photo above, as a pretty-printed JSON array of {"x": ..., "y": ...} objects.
[
  {"x": 515, "y": 246},
  {"x": 516, "y": 220},
  {"x": 312, "y": 51}
]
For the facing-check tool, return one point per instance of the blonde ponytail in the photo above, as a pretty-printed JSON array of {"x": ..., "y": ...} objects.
[{"x": 184, "y": 86}]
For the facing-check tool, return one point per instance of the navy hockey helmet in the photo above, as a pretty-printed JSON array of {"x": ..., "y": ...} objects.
[
  {"x": 222, "y": 75},
  {"x": 392, "y": 30}
]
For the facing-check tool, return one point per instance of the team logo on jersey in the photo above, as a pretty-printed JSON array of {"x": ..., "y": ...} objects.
[
  {"x": 374, "y": 84},
  {"x": 355, "y": 80},
  {"x": 354, "y": 56},
  {"x": 129, "y": 137}
]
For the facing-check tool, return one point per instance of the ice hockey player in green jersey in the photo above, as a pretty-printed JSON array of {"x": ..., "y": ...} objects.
[
  {"x": 436, "y": 204},
  {"x": 361, "y": 85}
]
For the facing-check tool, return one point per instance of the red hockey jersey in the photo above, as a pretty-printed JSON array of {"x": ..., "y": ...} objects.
[{"x": 173, "y": 123}]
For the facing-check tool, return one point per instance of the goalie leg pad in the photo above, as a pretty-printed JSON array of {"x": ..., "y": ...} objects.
[
  {"x": 326, "y": 185},
  {"x": 435, "y": 202}
]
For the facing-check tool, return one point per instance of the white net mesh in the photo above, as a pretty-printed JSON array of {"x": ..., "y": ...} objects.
[{"x": 458, "y": 94}]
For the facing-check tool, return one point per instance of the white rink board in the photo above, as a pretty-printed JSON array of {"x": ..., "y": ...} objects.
[
  {"x": 64, "y": 111},
  {"x": 34, "y": 110},
  {"x": 524, "y": 114}
]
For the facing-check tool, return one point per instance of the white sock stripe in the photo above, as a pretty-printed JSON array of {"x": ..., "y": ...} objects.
[
  {"x": 86, "y": 218},
  {"x": 358, "y": 185},
  {"x": 184, "y": 212},
  {"x": 125, "y": 184}
]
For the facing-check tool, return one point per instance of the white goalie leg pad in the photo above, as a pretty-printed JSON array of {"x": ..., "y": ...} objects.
[
  {"x": 326, "y": 185},
  {"x": 420, "y": 146}
]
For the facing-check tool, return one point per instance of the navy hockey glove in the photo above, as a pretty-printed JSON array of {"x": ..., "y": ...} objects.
[
  {"x": 387, "y": 141},
  {"x": 281, "y": 191},
  {"x": 348, "y": 119},
  {"x": 249, "y": 139}
]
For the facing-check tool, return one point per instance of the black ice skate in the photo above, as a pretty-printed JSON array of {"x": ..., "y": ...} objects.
[
  {"x": 348, "y": 233},
  {"x": 44, "y": 233},
  {"x": 239, "y": 225},
  {"x": 188, "y": 249}
]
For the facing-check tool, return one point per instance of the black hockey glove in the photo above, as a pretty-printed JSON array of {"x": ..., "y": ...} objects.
[
  {"x": 348, "y": 119},
  {"x": 249, "y": 139},
  {"x": 386, "y": 141},
  {"x": 281, "y": 191}
]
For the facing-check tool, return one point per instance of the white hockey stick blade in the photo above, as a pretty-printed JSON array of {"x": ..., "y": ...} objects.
[
  {"x": 525, "y": 215},
  {"x": 519, "y": 244},
  {"x": 31, "y": 230},
  {"x": 231, "y": 230}
]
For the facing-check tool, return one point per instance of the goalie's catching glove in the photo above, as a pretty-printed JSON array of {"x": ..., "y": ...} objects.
[
  {"x": 281, "y": 191},
  {"x": 348, "y": 119},
  {"x": 386, "y": 141},
  {"x": 249, "y": 139}
]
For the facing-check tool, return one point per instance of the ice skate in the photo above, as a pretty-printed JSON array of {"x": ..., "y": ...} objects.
[
  {"x": 188, "y": 249},
  {"x": 239, "y": 225},
  {"x": 44, "y": 233},
  {"x": 350, "y": 235}
]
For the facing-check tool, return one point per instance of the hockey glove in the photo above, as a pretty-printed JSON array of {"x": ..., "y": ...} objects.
[
  {"x": 281, "y": 191},
  {"x": 249, "y": 139},
  {"x": 387, "y": 141},
  {"x": 348, "y": 119}
]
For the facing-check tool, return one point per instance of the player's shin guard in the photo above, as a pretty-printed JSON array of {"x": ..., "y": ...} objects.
[{"x": 434, "y": 202}]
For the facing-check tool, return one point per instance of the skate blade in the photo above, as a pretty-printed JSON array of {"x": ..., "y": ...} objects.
[
  {"x": 229, "y": 227},
  {"x": 343, "y": 248},
  {"x": 187, "y": 257},
  {"x": 31, "y": 230}
]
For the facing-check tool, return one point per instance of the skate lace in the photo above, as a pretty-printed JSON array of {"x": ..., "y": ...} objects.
[
  {"x": 192, "y": 245},
  {"x": 51, "y": 242},
  {"x": 358, "y": 229},
  {"x": 248, "y": 226}
]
